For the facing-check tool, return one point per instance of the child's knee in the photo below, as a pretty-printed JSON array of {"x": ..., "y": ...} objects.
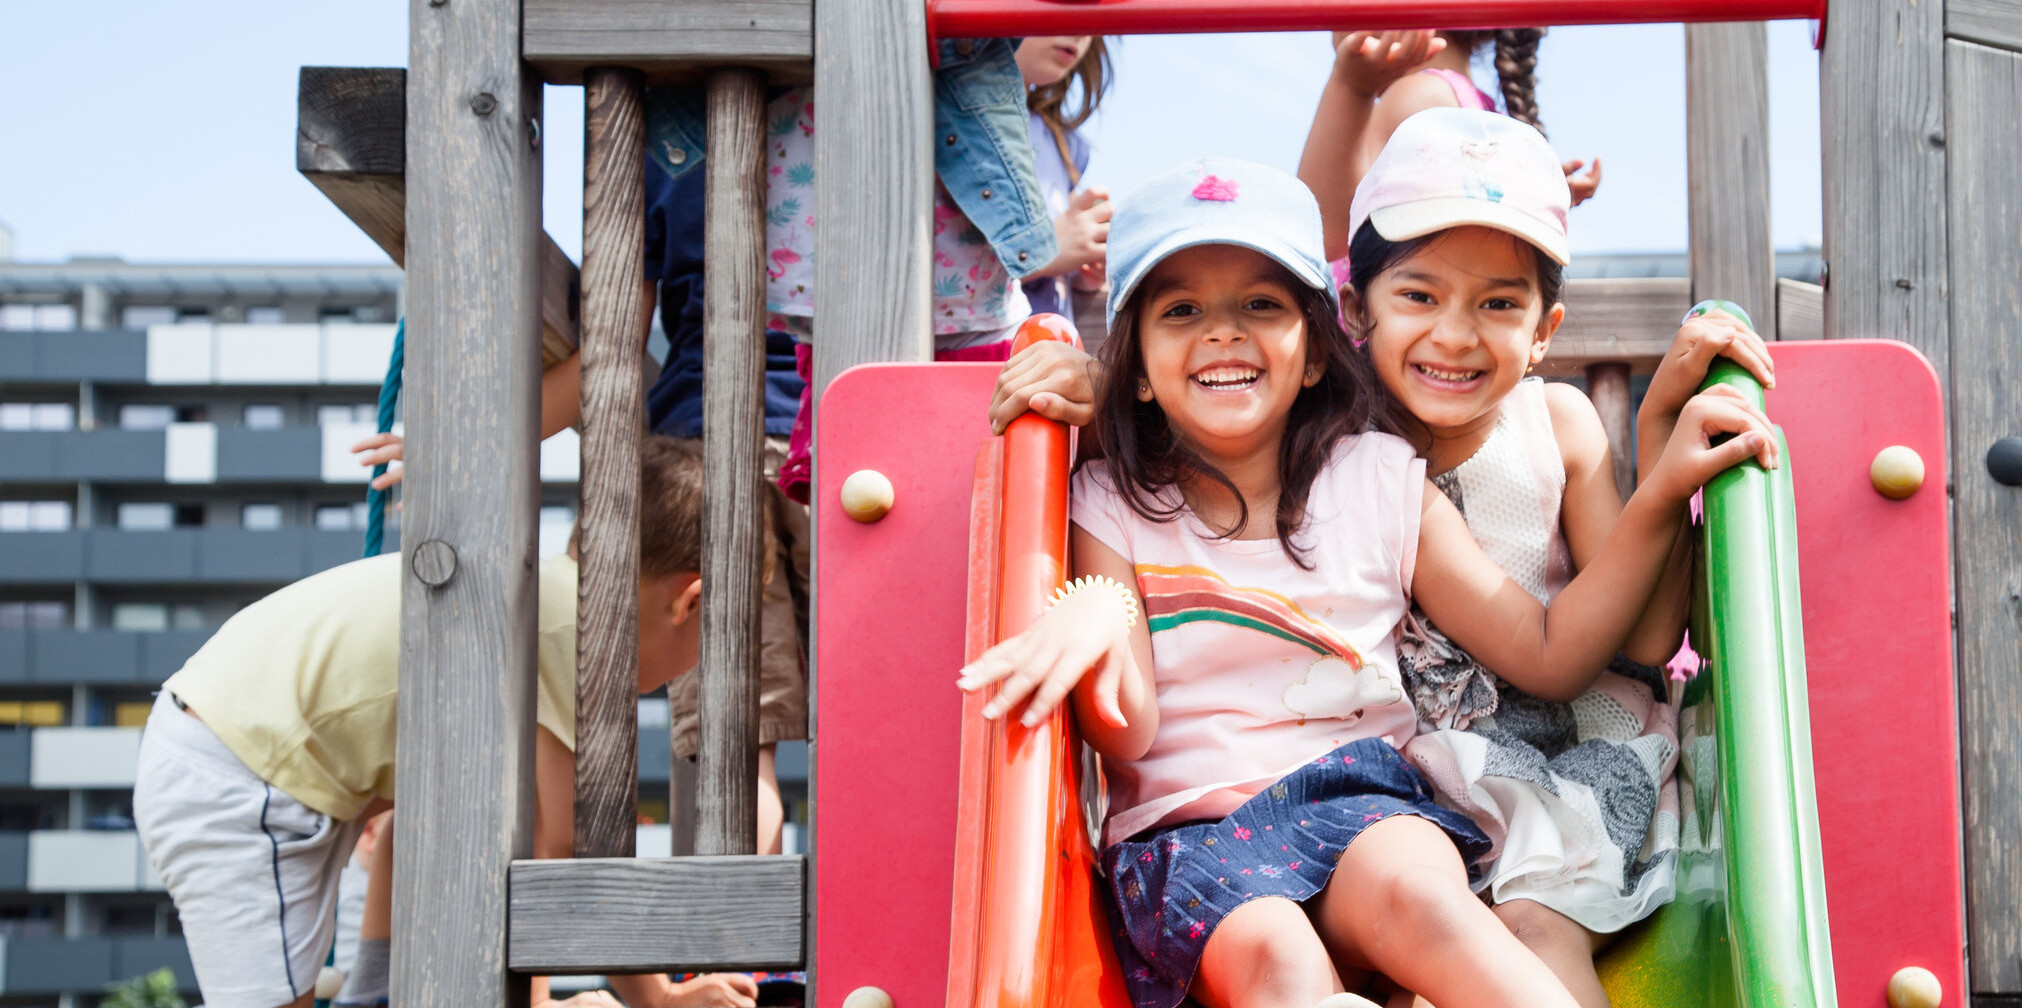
[{"x": 1262, "y": 946}]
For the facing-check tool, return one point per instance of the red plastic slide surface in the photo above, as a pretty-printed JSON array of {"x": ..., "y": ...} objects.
[
  {"x": 892, "y": 600},
  {"x": 1876, "y": 579},
  {"x": 1013, "y": 18}
]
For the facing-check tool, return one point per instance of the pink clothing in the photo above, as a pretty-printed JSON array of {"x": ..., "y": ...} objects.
[
  {"x": 1465, "y": 94},
  {"x": 1260, "y": 665}
]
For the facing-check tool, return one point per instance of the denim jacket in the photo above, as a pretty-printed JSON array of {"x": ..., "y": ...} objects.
[{"x": 982, "y": 149}]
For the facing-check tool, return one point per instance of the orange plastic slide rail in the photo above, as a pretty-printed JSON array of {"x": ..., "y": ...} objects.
[
  {"x": 1028, "y": 929},
  {"x": 1011, "y": 18}
]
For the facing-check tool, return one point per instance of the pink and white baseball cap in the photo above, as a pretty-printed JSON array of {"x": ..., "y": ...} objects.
[{"x": 1450, "y": 167}]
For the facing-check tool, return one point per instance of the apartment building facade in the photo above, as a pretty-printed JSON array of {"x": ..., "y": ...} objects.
[{"x": 172, "y": 447}]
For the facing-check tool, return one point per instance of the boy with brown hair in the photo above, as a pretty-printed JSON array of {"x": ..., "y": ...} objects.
[{"x": 270, "y": 748}]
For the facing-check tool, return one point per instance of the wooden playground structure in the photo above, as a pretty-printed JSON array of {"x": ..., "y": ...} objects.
[{"x": 440, "y": 164}]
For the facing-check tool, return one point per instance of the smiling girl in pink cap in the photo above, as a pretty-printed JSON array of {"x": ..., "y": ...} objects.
[{"x": 1244, "y": 556}]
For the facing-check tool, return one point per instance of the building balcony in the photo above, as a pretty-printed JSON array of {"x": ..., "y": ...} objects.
[
  {"x": 95, "y": 657},
  {"x": 48, "y": 965},
  {"x": 174, "y": 556}
]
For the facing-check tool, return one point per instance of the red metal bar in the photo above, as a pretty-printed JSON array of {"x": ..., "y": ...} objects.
[{"x": 1012, "y": 18}]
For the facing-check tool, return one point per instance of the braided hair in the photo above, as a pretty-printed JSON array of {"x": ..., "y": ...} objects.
[{"x": 1516, "y": 60}]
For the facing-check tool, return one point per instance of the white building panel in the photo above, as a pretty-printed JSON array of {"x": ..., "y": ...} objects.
[
  {"x": 653, "y": 840},
  {"x": 269, "y": 354},
  {"x": 144, "y": 874},
  {"x": 192, "y": 453},
  {"x": 83, "y": 860},
  {"x": 356, "y": 354},
  {"x": 179, "y": 354},
  {"x": 83, "y": 757},
  {"x": 339, "y": 465},
  {"x": 562, "y": 457}
]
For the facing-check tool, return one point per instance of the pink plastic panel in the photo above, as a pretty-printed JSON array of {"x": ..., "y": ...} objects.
[
  {"x": 889, "y": 613},
  {"x": 1876, "y": 577}
]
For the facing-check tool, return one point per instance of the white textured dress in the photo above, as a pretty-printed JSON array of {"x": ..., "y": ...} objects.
[{"x": 1577, "y": 797}]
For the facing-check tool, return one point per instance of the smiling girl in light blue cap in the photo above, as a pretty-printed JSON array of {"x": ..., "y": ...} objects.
[{"x": 1244, "y": 556}]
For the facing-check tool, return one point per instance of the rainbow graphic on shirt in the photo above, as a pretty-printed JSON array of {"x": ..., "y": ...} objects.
[{"x": 1176, "y": 596}]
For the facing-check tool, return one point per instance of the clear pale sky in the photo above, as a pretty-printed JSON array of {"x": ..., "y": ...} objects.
[{"x": 165, "y": 132}]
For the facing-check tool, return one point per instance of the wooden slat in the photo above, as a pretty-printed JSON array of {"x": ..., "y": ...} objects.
[
  {"x": 1800, "y": 310},
  {"x": 671, "y": 42},
  {"x": 1727, "y": 160},
  {"x": 607, "y": 608},
  {"x": 1608, "y": 387},
  {"x": 623, "y": 915},
  {"x": 1989, "y": 22},
  {"x": 1881, "y": 102},
  {"x": 1609, "y": 320},
  {"x": 874, "y": 173},
  {"x": 351, "y": 143},
  {"x": 1985, "y": 89},
  {"x": 468, "y": 604},
  {"x": 733, "y": 444}
]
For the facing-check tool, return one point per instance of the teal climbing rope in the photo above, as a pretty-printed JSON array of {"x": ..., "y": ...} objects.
[{"x": 389, "y": 397}]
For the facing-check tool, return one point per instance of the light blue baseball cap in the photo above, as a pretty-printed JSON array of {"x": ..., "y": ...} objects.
[{"x": 1215, "y": 201}]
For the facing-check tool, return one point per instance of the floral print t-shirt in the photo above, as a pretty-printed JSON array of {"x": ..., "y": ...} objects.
[
  {"x": 972, "y": 291},
  {"x": 789, "y": 203}
]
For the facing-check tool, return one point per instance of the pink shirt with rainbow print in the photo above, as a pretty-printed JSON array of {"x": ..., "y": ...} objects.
[{"x": 1259, "y": 665}]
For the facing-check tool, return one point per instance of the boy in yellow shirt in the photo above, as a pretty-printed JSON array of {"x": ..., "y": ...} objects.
[{"x": 267, "y": 752}]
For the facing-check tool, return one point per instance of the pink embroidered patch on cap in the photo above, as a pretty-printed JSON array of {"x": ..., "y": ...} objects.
[{"x": 1216, "y": 188}]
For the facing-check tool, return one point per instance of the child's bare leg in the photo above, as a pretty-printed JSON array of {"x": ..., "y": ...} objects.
[
  {"x": 771, "y": 810},
  {"x": 1264, "y": 954},
  {"x": 1399, "y": 897},
  {"x": 1562, "y": 943}
]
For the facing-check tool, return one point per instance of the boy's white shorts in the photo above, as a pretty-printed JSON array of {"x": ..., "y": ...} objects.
[{"x": 253, "y": 871}]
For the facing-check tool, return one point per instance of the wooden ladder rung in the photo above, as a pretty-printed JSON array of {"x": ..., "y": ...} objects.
[{"x": 636, "y": 915}]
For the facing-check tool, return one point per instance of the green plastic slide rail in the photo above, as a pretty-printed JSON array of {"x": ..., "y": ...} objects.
[
  {"x": 1782, "y": 949},
  {"x": 1748, "y": 927}
]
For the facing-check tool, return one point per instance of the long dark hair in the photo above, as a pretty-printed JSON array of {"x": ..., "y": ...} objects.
[
  {"x": 1516, "y": 61},
  {"x": 1146, "y": 456},
  {"x": 1093, "y": 74}
]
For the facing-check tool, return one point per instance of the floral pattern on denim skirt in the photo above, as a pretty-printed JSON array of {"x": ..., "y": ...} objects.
[{"x": 1170, "y": 889}]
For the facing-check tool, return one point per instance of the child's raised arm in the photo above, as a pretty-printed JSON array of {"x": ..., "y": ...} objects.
[
  {"x": 1348, "y": 125},
  {"x": 1555, "y": 653},
  {"x": 1093, "y": 644}
]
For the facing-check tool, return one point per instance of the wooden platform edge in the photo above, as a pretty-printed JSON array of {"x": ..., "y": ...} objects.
[
  {"x": 670, "y": 43},
  {"x": 351, "y": 144},
  {"x": 633, "y": 915}
]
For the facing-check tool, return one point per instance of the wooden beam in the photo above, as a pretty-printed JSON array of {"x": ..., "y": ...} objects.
[
  {"x": 733, "y": 446},
  {"x": 614, "y": 323},
  {"x": 1727, "y": 161},
  {"x": 1608, "y": 387},
  {"x": 1984, "y": 88},
  {"x": 1996, "y": 23},
  {"x": 351, "y": 143},
  {"x": 632, "y": 915},
  {"x": 670, "y": 42},
  {"x": 468, "y": 604},
  {"x": 1881, "y": 101},
  {"x": 1615, "y": 320},
  {"x": 874, "y": 173},
  {"x": 1800, "y": 310}
]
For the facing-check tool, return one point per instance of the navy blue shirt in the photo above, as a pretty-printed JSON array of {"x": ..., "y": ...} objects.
[{"x": 674, "y": 210}]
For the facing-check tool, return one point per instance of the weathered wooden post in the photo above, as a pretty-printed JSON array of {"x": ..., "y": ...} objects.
[
  {"x": 1983, "y": 88},
  {"x": 468, "y": 604},
  {"x": 607, "y": 644},
  {"x": 1727, "y": 163},
  {"x": 733, "y": 446}
]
